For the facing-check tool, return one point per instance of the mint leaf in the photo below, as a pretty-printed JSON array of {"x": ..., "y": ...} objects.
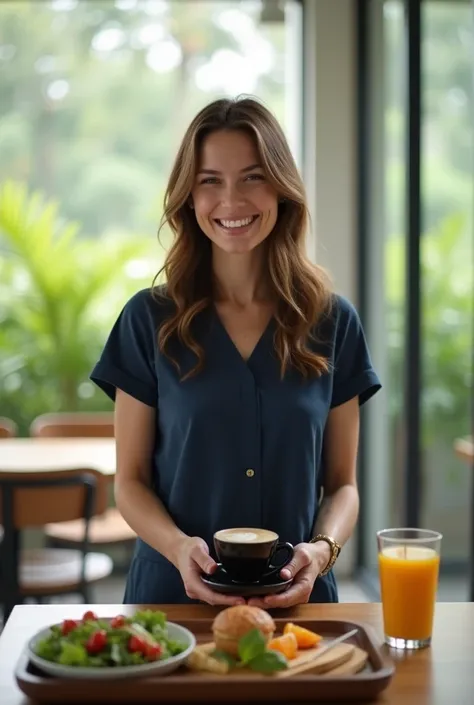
[
  {"x": 268, "y": 662},
  {"x": 223, "y": 656},
  {"x": 251, "y": 645}
]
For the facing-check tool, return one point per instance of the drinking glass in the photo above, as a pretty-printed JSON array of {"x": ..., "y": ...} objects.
[{"x": 408, "y": 569}]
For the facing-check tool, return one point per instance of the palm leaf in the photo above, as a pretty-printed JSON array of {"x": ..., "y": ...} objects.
[{"x": 64, "y": 280}]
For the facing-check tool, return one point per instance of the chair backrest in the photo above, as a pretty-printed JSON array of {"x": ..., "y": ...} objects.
[
  {"x": 40, "y": 498},
  {"x": 73, "y": 425},
  {"x": 8, "y": 428}
]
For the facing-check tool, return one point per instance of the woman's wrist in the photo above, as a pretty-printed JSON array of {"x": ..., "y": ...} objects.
[
  {"x": 321, "y": 552},
  {"x": 176, "y": 545}
]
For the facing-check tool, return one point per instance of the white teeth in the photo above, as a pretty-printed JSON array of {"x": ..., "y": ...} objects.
[{"x": 236, "y": 223}]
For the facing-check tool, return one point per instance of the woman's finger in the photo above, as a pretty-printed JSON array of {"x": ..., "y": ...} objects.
[
  {"x": 300, "y": 560},
  {"x": 297, "y": 594},
  {"x": 293, "y": 596},
  {"x": 215, "y": 598},
  {"x": 257, "y": 602},
  {"x": 200, "y": 555},
  {"x": 228, "y": 600},
  {"x": 196, "y": 589}
]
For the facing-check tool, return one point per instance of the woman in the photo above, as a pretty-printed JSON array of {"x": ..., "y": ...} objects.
[{"x": 237, "y": 386}]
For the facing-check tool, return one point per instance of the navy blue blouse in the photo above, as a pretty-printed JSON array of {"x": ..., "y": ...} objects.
[{"x": 232, "y": 417}]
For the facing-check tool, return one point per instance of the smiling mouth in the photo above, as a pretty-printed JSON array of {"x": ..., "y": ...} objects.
[{"x": 236, "y": 224}]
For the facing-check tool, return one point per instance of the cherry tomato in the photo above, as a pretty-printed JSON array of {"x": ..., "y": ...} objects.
[
  {"x": 89, "y": 616},
  {"x": 153, "y": 652},
  {"x": 136, "y": 644},
  {"x": 117, "y": 621},
  {"x": 96, "y": 642},
  {"x": 68, "y": 625}
]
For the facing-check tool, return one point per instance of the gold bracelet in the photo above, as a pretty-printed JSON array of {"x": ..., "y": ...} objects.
[{"x": 335, "y": 550}]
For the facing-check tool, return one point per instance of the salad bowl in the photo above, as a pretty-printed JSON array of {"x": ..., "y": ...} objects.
[{"x": 109, "y": 648}]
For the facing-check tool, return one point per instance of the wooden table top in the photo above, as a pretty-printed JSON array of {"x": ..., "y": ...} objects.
[
  {"x": 439, "y": 675},
  {"x": 32, "y": 455}
]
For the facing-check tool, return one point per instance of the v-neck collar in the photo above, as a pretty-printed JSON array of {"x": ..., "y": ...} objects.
[{"x": 230, "y": 343}]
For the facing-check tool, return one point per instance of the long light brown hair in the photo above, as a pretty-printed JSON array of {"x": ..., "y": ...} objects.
[{"x": 300, "y": 289}]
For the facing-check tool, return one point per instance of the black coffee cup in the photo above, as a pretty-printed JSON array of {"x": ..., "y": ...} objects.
[{"x": 247, "y": 555}]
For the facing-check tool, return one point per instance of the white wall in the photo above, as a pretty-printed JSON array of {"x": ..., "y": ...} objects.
[{"x": 329, "y": 149}]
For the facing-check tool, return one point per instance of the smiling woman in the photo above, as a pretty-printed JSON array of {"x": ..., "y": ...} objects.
[
  {"x": 237, "y": 384},
  {"x": 236, "y": 207},
  {"x": 157, "y": 63},
  {"x": 235, "y": 182}
]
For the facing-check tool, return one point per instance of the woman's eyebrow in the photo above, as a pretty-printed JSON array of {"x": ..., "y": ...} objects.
[{"x": 214, "y": 171}]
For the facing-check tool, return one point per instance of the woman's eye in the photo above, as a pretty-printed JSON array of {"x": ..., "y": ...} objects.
[{"x": 215, "y": 180}]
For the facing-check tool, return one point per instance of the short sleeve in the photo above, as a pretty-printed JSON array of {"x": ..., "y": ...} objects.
[
  {"x": 354, "y": 374},
  {"x": 128, "y": 358}
]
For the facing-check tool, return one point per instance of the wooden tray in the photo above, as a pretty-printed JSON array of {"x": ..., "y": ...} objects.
[{"x": 184, "y": 686}]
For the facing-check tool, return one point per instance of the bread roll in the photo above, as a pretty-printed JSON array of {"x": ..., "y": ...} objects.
[{"x": 233, "y": 623}]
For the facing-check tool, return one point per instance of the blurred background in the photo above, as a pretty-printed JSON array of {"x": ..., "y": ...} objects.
[{"x": 94, "y": 99}]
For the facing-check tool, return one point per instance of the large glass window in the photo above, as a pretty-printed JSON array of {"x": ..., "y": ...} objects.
[
  {"x": 94, "y": 98},
  {"x": 447, "y": 257},
  {"x": 447, "y": 281},
  {"x": 96, "y": 94}
]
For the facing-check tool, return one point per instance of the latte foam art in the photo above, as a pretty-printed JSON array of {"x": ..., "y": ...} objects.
[
  {"x": 240, "y": 537},
  {"x": 246, "y": 535}
]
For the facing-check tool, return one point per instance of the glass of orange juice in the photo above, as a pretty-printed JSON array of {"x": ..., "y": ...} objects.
[{"x": 408, "y": 568}]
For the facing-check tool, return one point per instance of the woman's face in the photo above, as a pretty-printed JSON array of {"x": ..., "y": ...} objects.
[{"x": 235, "y": 205}]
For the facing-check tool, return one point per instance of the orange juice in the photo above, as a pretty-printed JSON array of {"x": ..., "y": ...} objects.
[{"x": 408, "y": 581}]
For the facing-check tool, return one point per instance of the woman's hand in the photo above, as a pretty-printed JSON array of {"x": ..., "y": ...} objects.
[
  {"x": 192, "y": 559},
  {"x": 309, "y": 560}
]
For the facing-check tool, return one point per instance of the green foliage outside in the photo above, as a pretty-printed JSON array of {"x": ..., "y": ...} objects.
[
  {"x": 447, "y": 247},
  {"x": 94, "y": 98},
  {"x": 448, "y": 312},
  {"x": 94, "y": 130},
  {"x": 59, "y": 294}
]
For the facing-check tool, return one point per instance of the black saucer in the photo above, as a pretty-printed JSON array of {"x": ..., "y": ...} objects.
[{"x": 221, "y": 582}]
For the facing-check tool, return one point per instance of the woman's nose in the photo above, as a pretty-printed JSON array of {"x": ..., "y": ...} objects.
[{"x": 231, "y": 196}]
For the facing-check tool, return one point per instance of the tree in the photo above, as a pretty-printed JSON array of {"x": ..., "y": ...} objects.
[{"x": 95, "y": 96}]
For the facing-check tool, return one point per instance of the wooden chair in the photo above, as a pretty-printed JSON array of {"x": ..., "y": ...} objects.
[
  {"x": 107, "y": 530},
  {"x": 8, "y": 428},
  {"x": 464, "y": 449},
  {"x": 30, "y": 500},
  {"x": 73, "y": 425}
]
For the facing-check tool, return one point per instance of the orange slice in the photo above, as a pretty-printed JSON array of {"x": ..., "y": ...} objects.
[
  {"x": 286, "y": 644},
  {"x": 305, "y": 638}
]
